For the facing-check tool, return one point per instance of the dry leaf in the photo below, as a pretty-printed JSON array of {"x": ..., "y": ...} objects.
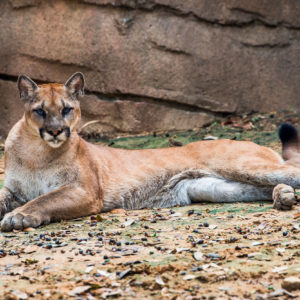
[
  {"x": 79, "y": 290},
  {"x": 159, "y": 280},
  {"x": 28, "y": 229},
  {"x": 128, "y": 223}
]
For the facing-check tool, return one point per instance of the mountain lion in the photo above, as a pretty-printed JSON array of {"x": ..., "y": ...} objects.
[{"x": 52, "y": 174}]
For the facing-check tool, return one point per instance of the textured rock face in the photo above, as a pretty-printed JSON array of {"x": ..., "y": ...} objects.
[
  {"x": 11, "y": 107},
  {"x": 156, "y": 64}
]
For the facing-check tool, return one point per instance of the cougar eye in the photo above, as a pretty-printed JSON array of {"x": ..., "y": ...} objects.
[
  {"x": 66, "y": 110},
  {"x": 40, "y": 112}
]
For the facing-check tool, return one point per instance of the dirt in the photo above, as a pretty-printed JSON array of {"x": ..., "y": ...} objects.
[{"x": 203, "y": 251}]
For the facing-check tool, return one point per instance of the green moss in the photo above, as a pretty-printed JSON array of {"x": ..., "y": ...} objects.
[
  {"x": 240, "y": 208},
  {"x": 263, "y": 132},
  {"x": 162, "y": 141}
]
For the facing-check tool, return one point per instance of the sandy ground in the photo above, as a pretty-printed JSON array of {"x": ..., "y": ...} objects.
[{"x": 207, "y": 251}]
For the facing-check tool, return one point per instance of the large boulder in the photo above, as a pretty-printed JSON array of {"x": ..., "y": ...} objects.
[
  {"x": 11, "y": 107},
  {"x": 102, "y": 118},
  {"x": 157, "y": 64}
]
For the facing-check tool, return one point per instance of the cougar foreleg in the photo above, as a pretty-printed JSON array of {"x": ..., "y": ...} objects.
[{"x": 67, "y": 202}]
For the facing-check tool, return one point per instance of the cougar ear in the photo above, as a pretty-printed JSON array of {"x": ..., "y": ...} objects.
[
  {"x": 75, "y": 85},
  {"x": 27, "y": 88}
]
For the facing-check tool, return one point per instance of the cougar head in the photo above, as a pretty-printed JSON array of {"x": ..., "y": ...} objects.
[{"x": 52, "y": 110}]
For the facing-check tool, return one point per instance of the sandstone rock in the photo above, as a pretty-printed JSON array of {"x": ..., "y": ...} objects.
[
  {"x": 291, "y": 283},
  {"x": 194, "y": 56},
  {"x": 109, "y": 118},
  {"x": 11, "y": 107},
  {"x": 120, "y": 117}
]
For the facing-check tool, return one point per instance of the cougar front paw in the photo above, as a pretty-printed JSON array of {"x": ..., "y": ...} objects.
[
  {"x": 20, "y": 220},
  {"x": 283, "y": 197},
  {"x": 3, "y": 210}
]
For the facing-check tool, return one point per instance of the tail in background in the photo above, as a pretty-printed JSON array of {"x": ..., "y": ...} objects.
[{"x": 290, "y": 140}]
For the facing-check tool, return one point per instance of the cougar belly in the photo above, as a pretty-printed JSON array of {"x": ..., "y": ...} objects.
[{"x": 184, "y": 188}]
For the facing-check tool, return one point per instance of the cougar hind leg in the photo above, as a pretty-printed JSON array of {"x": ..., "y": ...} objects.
[
  {"x": 211, "y": 189},
  {"x": 267, "y": 180}
]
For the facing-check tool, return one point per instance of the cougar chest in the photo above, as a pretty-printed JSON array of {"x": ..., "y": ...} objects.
[{"x": 28, "y": 184}]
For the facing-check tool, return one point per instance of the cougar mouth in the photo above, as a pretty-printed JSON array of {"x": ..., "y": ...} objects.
[{"x": 55, "y": 138}]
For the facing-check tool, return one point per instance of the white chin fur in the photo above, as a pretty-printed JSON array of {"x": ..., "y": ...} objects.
[
  {"x": 55, "y": 143},
  {"x": 52, "y": 142}
]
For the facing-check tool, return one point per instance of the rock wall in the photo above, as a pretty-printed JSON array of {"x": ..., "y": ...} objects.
[{"x": 157, "y": 64}]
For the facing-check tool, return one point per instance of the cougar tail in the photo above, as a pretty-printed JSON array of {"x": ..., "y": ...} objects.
[{"x": 290, "y": 140}]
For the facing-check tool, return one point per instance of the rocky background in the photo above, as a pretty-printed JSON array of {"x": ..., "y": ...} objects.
[{"x": 154, "y": 65}]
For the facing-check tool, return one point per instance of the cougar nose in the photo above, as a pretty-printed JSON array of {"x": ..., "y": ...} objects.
[{"x": 55, "y": 133}]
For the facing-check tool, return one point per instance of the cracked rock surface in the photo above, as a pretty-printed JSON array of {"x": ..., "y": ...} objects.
[{"x": 155, "y": 64}]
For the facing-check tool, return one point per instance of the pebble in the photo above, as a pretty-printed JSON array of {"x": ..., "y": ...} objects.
[
  {"x": 48, "y": 246},
  {"x": 213, "y": 255},
  {"x": 291, "y": 283},
  {"x": 198, "y": 255},
  {"x": 112, "y": 241},
  {"x": 233, "y": 240},
  {"x": 20, "y": 295},
  {"x": 13, "y": 252}
]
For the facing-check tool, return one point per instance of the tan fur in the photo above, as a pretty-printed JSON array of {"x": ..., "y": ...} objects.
[{"x": 45, "y": 184}]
